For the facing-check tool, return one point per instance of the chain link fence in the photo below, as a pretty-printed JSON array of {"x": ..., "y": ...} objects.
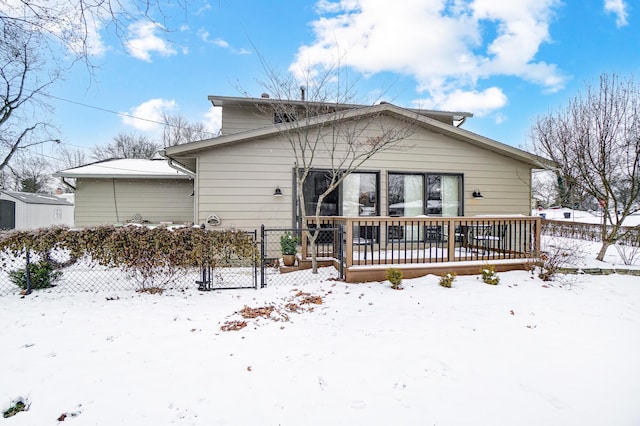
[
  {"x": 58, "y": 271},
  {"x": 589, "y": 231},
  {"x": 329, "y": 248}
]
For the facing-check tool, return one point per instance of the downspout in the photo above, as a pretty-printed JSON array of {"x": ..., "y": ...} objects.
[
  {"x": 182, "y": 168},
  {"x": 73, "y": 188},
  {"x": 174, "y": 164}
]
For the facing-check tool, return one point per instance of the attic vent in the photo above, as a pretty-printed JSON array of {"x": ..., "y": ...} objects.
[{"x": 265, "y": 96}]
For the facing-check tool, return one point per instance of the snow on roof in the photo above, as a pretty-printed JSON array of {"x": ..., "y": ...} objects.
[
  {"x": 31, "y": 198},
  {"x": 128, "y": 167}
]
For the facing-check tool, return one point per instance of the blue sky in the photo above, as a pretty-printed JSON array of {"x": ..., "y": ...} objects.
[{"x": 506, "y": 63}]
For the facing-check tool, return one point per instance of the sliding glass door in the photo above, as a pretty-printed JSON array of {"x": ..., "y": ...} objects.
[
  {"x": 406, "y": 198},
  {"x": 411, "y": 195},
  {"x": 356, "y": 196},
  {"x": 444, "y": 195}
]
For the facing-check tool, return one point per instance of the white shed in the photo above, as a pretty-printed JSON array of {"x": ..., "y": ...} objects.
[{"x": 23, "y": 210}]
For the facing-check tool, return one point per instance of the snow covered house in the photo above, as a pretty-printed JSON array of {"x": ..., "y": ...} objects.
[
  {"x": 442, "y": 199},
  {"x": 24, "y": 210},
  {"x": 130, "y": 190},
  {"x": 245, "y": 177}
]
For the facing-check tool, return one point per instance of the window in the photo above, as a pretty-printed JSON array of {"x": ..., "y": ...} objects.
[
  {"x": 406, "y": 198},
  {"x": 406, "y": 195},
  {"x": 356, "y": 196},
  {"x": 431, "y": 194},
  {"x": 360, "y": 194},
  {"x": 315, "y": 184},
  {"x": 444, "y": 195}
]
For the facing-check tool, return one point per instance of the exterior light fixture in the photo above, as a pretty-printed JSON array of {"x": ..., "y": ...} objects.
[
  {"x": 277, "y": 192},
  {"x": 477, "y": 193}
]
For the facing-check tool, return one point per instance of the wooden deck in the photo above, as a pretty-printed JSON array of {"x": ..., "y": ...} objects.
[{"x": 368, "y": 246}]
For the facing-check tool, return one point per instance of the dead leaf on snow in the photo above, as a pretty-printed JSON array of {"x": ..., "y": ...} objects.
[{"x": 233, "y": 325}]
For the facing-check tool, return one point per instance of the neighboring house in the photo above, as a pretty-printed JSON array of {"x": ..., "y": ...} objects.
[
  {"x": 439, "y": 170},
  {"x": 130, "y": 190},
  {"x": 24, "y": 210}
]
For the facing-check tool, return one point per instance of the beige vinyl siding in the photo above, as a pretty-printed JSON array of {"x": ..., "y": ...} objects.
[
  {"x": 113, "y": 201},
  {"x": 236, "y": 182},
  {"x": 236, "y": 119}
]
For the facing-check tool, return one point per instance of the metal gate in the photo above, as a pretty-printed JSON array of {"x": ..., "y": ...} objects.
[
  {"x": 329, "y": 245},
  {"x": 237, "y": 273}
]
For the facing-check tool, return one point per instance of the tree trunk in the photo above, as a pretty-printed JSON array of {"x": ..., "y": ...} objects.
[
  {"x": 314, "y": 255},
  {"x": 603, "y": 250}
]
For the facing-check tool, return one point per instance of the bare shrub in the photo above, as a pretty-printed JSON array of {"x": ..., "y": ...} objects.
[
  {"x": 558, "y": 255},
  {"x": 628, "y": 254}
]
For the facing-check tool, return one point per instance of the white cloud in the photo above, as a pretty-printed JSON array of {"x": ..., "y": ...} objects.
[
  {"x": 618, "y": 8},
  {"x": 143, "y": 41},
  {"x": 219, "y": 42},
  {"x": 203, "y": 9},
  {"x": 213, "y": 119},
  {"x": 500, "y": 118},
  {"x": 479, "y": 103},
  {"x": 448, "y": 46},
  {"x": 147, "y": 116}
]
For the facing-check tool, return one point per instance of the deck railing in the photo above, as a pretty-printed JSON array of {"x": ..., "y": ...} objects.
[{"x": 385, "y": 240}]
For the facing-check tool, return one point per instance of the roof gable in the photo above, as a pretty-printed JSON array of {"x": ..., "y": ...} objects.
[{"x": 191, "y": 149}]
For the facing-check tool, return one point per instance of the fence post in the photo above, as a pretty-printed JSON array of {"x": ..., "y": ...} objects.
[
  {"x": 341, "y": 229},
  {"x": 28, "y": 272},
  {"x": 263, "y": 283},
  {"x": 255, "y": 260}
]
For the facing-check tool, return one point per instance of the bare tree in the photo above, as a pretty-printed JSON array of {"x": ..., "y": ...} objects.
[
  {"x": 31, "y": 174},
  {"x": 39, "y": 41},
  {"x": 21, "y": 82},
  {"x": 178, "y": 130},
  {"x": 74, "y": 25},
  {"x": 595, "y": 143},
  {"x": 71, "y": 158},
  {"x": 319, "y": 119},
  {"x": 68, "y": 159},
  {"x": 544, "y": 188},
  {"x": 127, "y": 145}
]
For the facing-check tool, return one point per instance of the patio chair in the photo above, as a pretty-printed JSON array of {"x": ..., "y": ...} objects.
[{"x": 490, "y": 237}]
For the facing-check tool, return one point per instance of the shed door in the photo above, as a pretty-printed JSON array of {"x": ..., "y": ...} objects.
[{"x": 7, "y": 214}]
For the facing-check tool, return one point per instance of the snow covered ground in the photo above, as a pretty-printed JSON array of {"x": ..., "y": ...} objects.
[
  {"x": 524, "y": 352},
  {"x": 581, "y": 216}
]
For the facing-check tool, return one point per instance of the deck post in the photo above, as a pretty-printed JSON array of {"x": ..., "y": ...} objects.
[
  {"x": 349, "y": 242},
  {"x": 538, "y": 232},
  {"x": 451, "y": 240}
]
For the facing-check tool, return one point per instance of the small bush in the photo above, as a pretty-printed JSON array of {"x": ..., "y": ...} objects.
[
  {"x": 15, "y": 409},
  {"x": 557, "y": 255},
  {"x": 394, "y": 276},
  {"x": 447, "y": 279},
  {"x": 489, "y": 275},
  {"x": 42, "y": 275},
  {"x": 289, "y": 244}
]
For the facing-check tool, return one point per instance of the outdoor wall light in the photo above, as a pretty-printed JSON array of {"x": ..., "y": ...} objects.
[
  {"x": 277, "y": 192},
  {"x": 477, "y": 193}
]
